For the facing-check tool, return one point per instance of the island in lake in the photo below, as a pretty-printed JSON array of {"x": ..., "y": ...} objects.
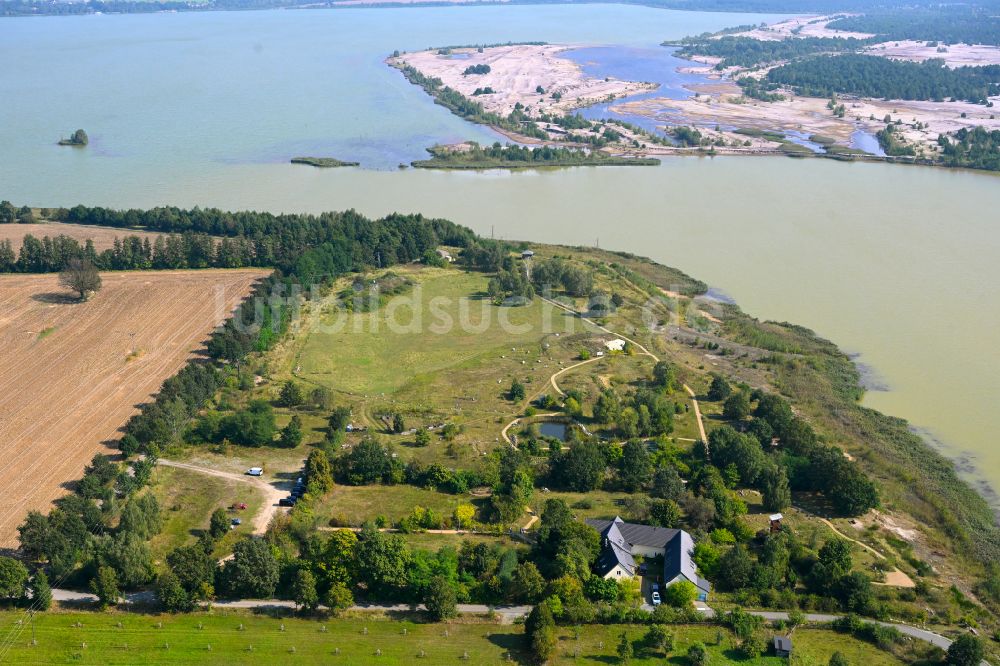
[
  {"x": 471, "y": 155},
  {"x": 323, "y": 162},
  {"x": 78, "y": 138}
]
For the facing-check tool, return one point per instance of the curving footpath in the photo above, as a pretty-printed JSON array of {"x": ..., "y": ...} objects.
[{"x": 642, "y": 350}]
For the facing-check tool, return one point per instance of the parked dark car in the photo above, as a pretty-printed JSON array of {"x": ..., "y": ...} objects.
[{"x": 287, "y": 501}]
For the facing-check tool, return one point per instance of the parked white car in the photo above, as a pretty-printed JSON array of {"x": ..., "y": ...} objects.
[
  {"x": 656, "y": 598},
  {"x": 256, "y": 471}
]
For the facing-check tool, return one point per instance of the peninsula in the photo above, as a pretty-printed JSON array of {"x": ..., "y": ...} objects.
[
  {"x": 809, "y": 86},
  {"x": 596, "y": 408}
]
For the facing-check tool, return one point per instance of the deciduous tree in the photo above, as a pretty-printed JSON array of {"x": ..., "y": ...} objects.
[{"x": 80, "y": 276}]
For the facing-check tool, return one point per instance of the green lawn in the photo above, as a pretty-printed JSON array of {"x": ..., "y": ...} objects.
[
  {"x": 812, "y": 647},
  {"x": 186, "y": 640},
  {"x": 444, "y": 322},
  {"x": 187, "y": 500},
  {"x": 242, "y": 638},
  {"x": 358, "y": 504},
  {"x": 454, "y": 363}
]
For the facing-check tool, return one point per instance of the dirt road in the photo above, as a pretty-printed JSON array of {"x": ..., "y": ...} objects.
[{"x": 271, "y": 492}]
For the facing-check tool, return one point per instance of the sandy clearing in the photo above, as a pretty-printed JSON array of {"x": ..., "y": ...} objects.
[
  {"x": 515, "y": 74},
  {"x": 800, "y": 27},
  {"x": 67, "y": 391},
  {"x": 103, "y": 237},
  {"x": 954, "y": 55},
  {"x": 810, "y": 115}
]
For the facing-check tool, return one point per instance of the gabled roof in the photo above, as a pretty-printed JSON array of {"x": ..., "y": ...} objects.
[
  {"x": 615, "y": 550},
  {"x": 618, "y": 538},
  {"x": 637, "y": 535},
  {"x": 677, "y": 561}
]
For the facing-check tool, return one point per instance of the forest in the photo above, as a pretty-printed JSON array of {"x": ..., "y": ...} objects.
[
  {"x": 977, "y": 23},
  {"x": 872, "y": 76},
  {"x": 977, "y": 148},
  {"x": 749, "y": 52}
]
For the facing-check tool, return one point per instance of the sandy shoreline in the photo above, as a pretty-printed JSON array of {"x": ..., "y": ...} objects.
[{"x": 517, "y": 73}]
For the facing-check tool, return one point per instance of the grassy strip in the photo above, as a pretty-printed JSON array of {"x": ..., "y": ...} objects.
[{"x": 233, "y": 637}]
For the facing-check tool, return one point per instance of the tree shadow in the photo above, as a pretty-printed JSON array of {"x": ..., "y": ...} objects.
[
  {"x": 515, "y": 644},
  {"x": 56, "y": 298}
]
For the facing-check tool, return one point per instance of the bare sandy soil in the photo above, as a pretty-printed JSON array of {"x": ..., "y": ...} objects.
[
  {"x": 515, "y": 74},
  {"x": 954, "y": 55},
  {"x": 799, "y": 27},
  {"x": 103, "y": 237},
  {"x": 810, "y": 115},
  {"x": 71, "y": 374}
]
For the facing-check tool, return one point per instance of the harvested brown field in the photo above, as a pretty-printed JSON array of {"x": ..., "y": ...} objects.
[
  {"x": 103, "y": 237},
  {"x": 71, "y": 374}
]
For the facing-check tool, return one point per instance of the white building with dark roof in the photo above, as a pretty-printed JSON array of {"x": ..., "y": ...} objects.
[{"x": 622, "y": 542}]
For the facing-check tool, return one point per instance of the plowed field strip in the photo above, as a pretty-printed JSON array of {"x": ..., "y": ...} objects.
[{"x": 68, "y": 376}]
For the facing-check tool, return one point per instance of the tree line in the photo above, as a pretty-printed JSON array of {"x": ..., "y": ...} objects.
[
  {"x": 189, "y": 250},
  {"x": 747, "y": 52},
  {"x": 976, "y": 148},
  {"x": 874, "y": 76},
  {"x": 975, "y": 23}
]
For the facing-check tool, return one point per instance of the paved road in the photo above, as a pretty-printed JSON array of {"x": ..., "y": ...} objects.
[{"x": 506, "y": 613}]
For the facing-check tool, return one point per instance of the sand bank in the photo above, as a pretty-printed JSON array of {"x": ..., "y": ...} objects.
[
  {"x": 799, "y": 27},
  {"x": 923, "y": 122},
  {"x": 954, "y": 55},
  {"x": 516, "y": 73}
]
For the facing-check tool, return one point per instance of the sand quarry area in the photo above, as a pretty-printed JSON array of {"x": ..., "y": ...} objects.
[
  {"x": 799, "y": 27},
  {"x": 722, "y": 104},
  {"x": 72, "y": 373},
  {"x": 516, "y": 73},
  {"x": 954, "y": 55}
]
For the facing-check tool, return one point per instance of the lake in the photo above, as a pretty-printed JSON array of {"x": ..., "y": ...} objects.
[{"x": 897, "y": 264}]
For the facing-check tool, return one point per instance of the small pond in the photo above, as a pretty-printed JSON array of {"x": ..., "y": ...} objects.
[{"x": 553, "y": 429}]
